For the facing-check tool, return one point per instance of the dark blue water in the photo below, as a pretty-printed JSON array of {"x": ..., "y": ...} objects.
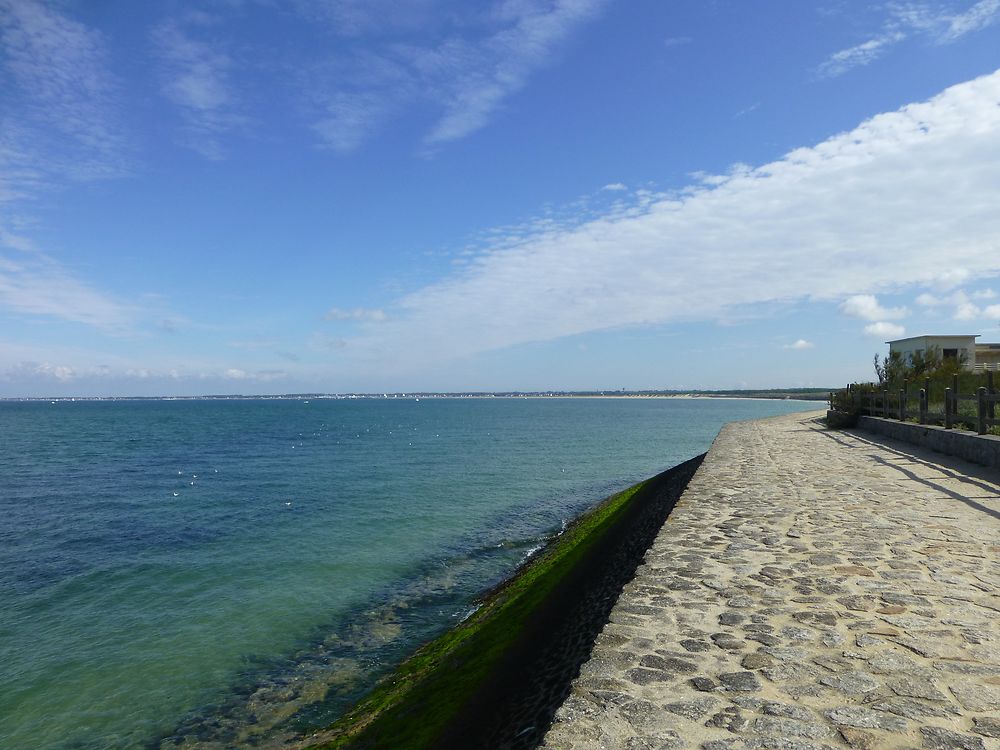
[{"x": 182, "y": 573}]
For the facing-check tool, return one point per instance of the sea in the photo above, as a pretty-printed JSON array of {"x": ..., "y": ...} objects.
[{"x": 182, "y": 574}]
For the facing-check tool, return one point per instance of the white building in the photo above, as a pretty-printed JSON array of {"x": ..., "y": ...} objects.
[{"x": 964, "y": 347}]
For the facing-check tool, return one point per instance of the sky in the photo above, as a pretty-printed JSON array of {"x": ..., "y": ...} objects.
[{"x": 287, "y": 196}]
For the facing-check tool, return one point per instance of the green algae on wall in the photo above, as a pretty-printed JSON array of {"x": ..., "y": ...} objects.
[{"x": 432, "y": 694}]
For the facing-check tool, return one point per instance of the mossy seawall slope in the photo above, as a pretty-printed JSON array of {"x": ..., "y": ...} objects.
[{"x": 496, "y": 680}]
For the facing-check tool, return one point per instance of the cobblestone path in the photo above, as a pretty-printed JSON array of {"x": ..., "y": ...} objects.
[{"x": 811, "y": 589}]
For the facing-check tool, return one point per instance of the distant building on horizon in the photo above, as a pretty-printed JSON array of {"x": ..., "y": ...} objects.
[{"x": 976, "y": 357}]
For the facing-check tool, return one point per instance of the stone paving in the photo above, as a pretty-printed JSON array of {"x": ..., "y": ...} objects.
[{"x": 811, "y": 589}]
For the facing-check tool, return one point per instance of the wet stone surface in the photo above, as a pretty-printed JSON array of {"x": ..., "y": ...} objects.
[{"x": 812, "y": 589}]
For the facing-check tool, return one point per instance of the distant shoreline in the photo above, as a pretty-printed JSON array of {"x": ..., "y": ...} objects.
[{"x": 790, "y": 394}]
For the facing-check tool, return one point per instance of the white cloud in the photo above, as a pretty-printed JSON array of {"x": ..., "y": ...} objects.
[
  {"x": 885, "y": 330},
  {"x": 465, "y": 74},
  {"x": 992, "y": 312},
  {"x": 867, "y": 306},
  {"x": 236, "y": 373},
  {"x": 615, "y": 187},
  {"x": 951, "y": 278},
  {"x": 800, "y": 344},
  {"x": 929, "y": 300},
  {"x": 802, "y": 227},
  {"x": 59, "y": 372},
  {"x": 358, "y": 313},
  {"x": 196, "y": 79},
  {"x": 965, "y": 309},
  {"x": 43, "y": 377}
]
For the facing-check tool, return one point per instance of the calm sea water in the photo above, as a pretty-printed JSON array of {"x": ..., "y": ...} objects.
[{"x": 208, "y": 573}]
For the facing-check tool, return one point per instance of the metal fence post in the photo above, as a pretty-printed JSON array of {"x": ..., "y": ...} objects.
[
  {"x": 947, "y": 409},
  {"x": 991, "y": 407},
  {"x": 885, "y": 402},
  {"x": 954, "y": 397},
  {"x": 923, "y": 406},
  {"x": 902, "y": 404},
  {"x": 981, "y": 411}
]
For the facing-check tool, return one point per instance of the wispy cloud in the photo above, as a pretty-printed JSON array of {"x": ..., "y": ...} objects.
[
  {"x": 799, "y": 228},
  {"x": 38, "y": 286},
  {"x": 59, "y": 122},
  {"x": 677, "y": 41},
  {"x": 937, "y": 22},
  {"x": 351, "y": 117},
  {"x": 980, "y": 16},
  {"x": 747, "y": 110},
  {"x": 465, "y": 75},
  {"x": 859, "y": 55},
  {"x": 59, "y": 125},
  {"x": 358, "y": 313},
  {"x": 501, "y": 65},
  {"x": 47, "y": 373},
  {"x": 61, "y": 84},
  {"x": 378, "y": 18},
  {"x": 196, "y": 79},
  {"x": 945, "y": 23}
]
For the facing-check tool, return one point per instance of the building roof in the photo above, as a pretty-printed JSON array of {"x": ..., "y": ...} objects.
[{"x": 938, "y": 336}]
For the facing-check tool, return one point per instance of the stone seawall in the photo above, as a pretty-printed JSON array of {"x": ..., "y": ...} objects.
[
  {"x": 979, "y": 449},
  {"x": 811, "y": 589}
]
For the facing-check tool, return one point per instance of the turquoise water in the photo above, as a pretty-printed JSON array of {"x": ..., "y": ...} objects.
[{"x": 187, "y": 573}]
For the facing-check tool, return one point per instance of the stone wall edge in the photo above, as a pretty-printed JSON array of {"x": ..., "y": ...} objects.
[{"x": 979, "y": 449}]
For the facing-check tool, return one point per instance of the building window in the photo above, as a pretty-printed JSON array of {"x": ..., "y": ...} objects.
[{"x": 949, "y": 353}]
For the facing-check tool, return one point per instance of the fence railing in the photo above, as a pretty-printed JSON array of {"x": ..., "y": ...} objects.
[{"x": 916, "y": 405}]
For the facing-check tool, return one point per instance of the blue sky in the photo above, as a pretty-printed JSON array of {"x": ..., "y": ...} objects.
[{"x": 255, "y": 196}]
